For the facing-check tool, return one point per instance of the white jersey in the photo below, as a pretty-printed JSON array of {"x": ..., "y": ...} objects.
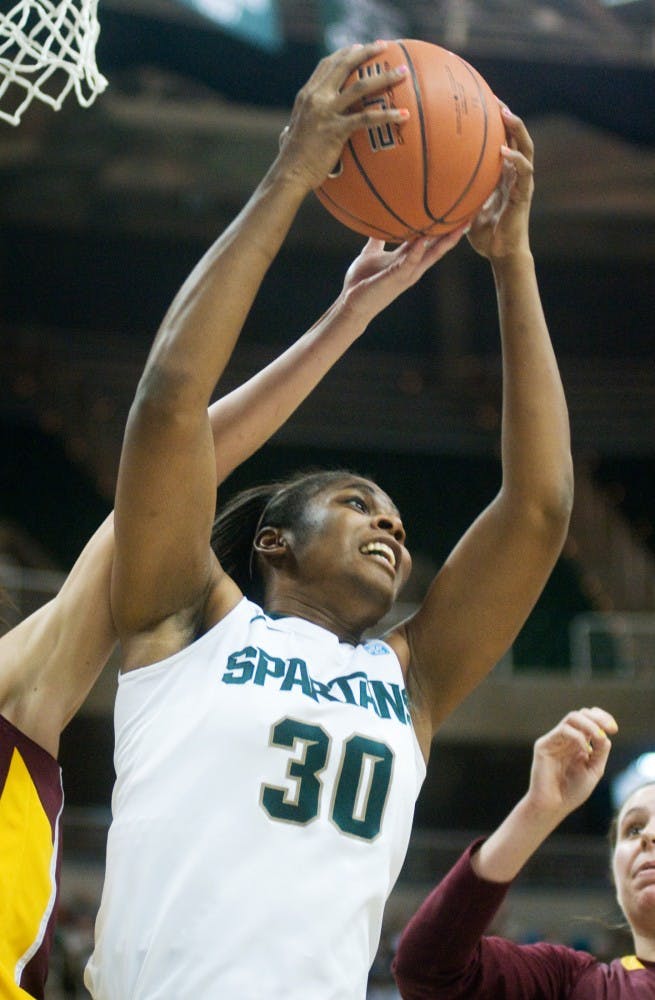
[{"x": 265, "y": 790}]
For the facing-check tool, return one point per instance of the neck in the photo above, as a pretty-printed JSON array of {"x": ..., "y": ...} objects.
[
  {"x": 644, "y": 945},
  {"x": 293, "y": 607}
]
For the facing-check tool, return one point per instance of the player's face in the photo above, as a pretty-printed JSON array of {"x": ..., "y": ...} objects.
[
  {"x": 634, "y": 859},
  {"x": 352, "y": 538}
]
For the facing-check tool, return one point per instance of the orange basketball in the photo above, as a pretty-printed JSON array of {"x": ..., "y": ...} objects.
[{"x": 431, "y": 173}]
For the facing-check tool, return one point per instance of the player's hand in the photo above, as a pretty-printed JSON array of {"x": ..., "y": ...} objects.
[
  {"x": 326, "y": 112},
  {"x": 378, "y": 276},
  {"x": 501, "y": 227},
  {"x": 569, "y": 761}
]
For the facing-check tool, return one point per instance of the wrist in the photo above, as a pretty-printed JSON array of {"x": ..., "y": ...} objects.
[
  {"x": 290, "y": 176},
  {"x": 351, "y": 306},
  {"x": 540, "y": 817},
  {"x": 516, "y": 261},
  {"x": 502, "y": 856}
]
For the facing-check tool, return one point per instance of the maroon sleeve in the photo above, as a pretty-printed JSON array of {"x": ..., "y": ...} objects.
[{"x": 442, "y": 954}]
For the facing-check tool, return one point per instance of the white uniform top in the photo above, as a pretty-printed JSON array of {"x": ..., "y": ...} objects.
[{"x": 266, "y": 781}]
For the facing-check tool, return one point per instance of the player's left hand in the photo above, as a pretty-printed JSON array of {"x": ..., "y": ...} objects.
[
  {"x": 501, "y": 227},
  {"x": 378, "y": 276}
]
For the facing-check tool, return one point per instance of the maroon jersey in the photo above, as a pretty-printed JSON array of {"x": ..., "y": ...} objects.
[
  {"x": 31, "y": 801},
  {"x": 443, "y": 955}
]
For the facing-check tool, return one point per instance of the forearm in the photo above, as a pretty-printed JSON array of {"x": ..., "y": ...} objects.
[
  {"x": 536, "y": 438},
  {"x": 502, "y": 856},
  {"x": 245, "y": 419},
  {"x": 567, "y": 764},
  {"x": 192, "y": 348},
  {"x": 248, "y": 416},
  {"x": 53, "y": 657},
  {"x": 200, "y": 329}
]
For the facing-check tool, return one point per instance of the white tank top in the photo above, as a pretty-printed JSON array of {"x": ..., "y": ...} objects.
[{"x": 265, "y": 790}]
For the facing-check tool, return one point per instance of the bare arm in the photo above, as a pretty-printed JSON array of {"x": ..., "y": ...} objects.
[
  {"x": 165, "y": 575},
  {"x": 443, "y": 950},
  {"x": 487, "y": 587},
  {"x": 50, "y": 661},
  {"x": 246, "y": 418},
  {"x": 568, "y": 763}
]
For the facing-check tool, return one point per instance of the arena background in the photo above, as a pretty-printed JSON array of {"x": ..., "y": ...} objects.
[{"x": 104, "y": 210}]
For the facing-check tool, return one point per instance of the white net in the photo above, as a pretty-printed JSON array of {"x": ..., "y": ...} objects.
[{"x": 46, "y": 50}]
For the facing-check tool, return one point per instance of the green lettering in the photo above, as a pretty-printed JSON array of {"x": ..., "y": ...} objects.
[
  {"x": 268, "y": 666},
  {"x": 390, "y": 694},
  {"x": 297, "y": 674},
  {"x": 240, "y": 666}
]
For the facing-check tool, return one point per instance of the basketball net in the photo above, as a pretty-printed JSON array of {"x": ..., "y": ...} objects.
[{"x": 46, "y": 49}]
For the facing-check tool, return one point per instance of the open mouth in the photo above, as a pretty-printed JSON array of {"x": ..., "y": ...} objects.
[{"x": 380, "y": 549}]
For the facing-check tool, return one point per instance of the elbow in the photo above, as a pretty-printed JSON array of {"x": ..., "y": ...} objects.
[
  {"x": 551, "y": 508},
  {"x": 558, "y": 502},
  {"x": 165, "y": 392},
  {"x": 543, "y": 507}
]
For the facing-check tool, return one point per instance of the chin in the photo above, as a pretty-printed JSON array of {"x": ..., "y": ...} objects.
[{"x": 368, "y": 604}]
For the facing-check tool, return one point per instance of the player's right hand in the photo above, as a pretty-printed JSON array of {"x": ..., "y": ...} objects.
[{"x": 326, "y": 112}]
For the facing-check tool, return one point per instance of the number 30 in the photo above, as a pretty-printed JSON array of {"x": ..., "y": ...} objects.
[{"x": 361, "y": 788}]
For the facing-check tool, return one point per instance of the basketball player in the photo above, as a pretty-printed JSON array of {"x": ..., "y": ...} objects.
[
  {"x": 443, "y": 954},
  {"x": 268, "y": 758},
  {"x": 49, "y": 662}
]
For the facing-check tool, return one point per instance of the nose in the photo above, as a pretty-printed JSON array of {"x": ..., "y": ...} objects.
[
  {"x": 648, "y": 833},
  {"x": 392, "y": 524}
]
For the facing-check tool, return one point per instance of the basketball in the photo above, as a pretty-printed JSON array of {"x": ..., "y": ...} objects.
[{"x": 431, "y": 173}]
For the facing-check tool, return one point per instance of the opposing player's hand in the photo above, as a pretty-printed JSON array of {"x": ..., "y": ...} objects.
[
  {"x": 501, "y": 227},
  {"x": 378, "y": 276},
  {"x": 326, "y": 112},
  {"x": 569, "y": 761}
]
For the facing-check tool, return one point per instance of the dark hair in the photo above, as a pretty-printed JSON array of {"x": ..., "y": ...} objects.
[
  {"x": 279, "y": 504},
  {"x": 613, "y": 832}
]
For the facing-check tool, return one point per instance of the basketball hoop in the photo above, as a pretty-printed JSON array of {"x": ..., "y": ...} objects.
[{"x": 46, "y": 49}]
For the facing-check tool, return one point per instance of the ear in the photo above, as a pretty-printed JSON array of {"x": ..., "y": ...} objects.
[{"x": 270, "y": 543}]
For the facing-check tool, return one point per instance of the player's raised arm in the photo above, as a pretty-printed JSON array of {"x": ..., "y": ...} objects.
[
  {"x": 489, "y": 584},
  {"x": 443, "y": 952},
  {"x": 49, "y": 662},
  {"x": 567, "y": 764},
  {"x": 165, "y": 497}
]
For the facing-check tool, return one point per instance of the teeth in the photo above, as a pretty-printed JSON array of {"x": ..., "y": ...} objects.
[{"x": 380, "y": 549}]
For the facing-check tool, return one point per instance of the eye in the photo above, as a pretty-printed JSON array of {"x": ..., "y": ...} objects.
[
  {"x": 633, "y": 830},
  {"x": 357, "y": 502}
]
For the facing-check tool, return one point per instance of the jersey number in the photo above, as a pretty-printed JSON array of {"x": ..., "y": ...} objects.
[{"x": 360, "y": 791}]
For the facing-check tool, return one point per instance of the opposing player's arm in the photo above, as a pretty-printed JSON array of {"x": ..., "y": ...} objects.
[
  {"x": 50, "y": 661},
  {"x": 245, "y": 419},
  {"x": 567, "y": 764},
  {"x": 489, "y": 584}
]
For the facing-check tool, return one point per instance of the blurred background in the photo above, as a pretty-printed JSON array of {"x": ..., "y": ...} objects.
[{"x": 104, "y": 210}]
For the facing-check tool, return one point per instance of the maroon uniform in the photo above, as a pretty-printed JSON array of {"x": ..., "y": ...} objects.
[
  {"x": 31, "y": 801},
  {"x": 443, "y": 954}
]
